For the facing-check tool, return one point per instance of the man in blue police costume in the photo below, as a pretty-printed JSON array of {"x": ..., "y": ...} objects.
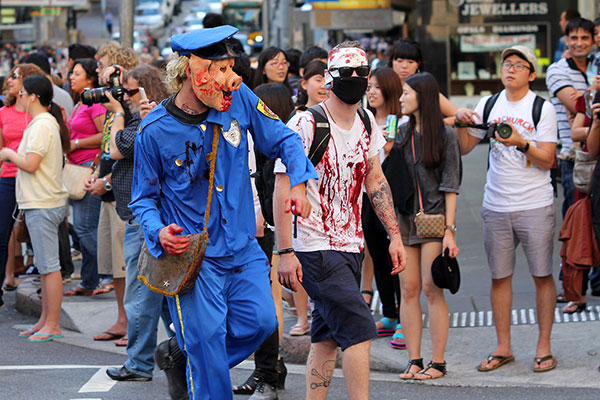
[{"x": 230, "y": 310}]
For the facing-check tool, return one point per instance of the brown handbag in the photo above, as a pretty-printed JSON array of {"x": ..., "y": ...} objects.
[
  {"x": 20, "y": 229},
  {"x": 428, "y": 225},
  {"x": 172, "y": 275}
]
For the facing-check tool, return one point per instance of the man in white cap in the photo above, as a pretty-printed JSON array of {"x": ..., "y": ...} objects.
[
  {"x": 326, "y": 256},
  {"x": 518, "y": 202}
]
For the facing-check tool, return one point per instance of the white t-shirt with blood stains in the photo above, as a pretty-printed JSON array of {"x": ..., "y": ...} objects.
[{"x": 336, "y": 198}]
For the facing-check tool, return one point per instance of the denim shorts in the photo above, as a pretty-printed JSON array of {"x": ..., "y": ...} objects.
[
  {"x": 42, "y": 224},
  {"x": 332, "y": 280}
]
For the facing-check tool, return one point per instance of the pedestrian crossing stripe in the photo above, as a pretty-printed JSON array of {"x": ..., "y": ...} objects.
[{"x": 523, "y": 316}]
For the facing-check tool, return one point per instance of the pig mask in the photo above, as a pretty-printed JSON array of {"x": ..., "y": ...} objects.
[{"x": 213, "y": 81}]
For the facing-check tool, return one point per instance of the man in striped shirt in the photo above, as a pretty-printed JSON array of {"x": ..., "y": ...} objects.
[{"x": 564, "y": 79}]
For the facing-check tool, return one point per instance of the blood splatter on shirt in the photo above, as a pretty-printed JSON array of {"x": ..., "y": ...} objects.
[{"x": 336, "y": 198}]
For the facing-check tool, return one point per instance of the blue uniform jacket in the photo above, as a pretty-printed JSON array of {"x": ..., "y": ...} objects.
[{"x": 170, "y": 179}]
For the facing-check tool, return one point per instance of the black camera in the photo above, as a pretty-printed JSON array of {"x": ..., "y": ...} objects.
[
  {"x": 98, "y": 95},
  {"x": 503, "y": 130}
]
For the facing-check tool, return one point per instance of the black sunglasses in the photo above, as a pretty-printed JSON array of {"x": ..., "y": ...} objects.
[
  {"x": 346, "y": 72},
  {"x": 132, "y": 92}
]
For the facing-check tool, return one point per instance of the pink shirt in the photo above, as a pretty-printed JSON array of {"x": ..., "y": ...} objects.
[
  {"x": 81, "y": 123},
  {"x": 12, "y": 124}
]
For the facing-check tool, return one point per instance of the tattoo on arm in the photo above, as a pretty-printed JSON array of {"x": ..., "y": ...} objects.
[
  {"x": 383, "y": 204},
  {"x": 189, "y": 110},
  {"x": 323, "y": 378}
]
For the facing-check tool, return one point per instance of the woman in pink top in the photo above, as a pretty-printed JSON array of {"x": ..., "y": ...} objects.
[
  {"x": 86, "y": 134},
  {"x": 13, "y": 121}
]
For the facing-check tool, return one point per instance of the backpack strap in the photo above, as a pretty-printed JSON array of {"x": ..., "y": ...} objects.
[
  {"x": 364, "y": 117},
  {"x": 489, "y": 104},
  {"x": 323, "y": 131},
  {"x": 536, "y": 112},
  {"x": 321, "y": 136}
]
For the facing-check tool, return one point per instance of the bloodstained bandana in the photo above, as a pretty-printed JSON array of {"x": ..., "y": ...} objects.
[{"x": 344, "y": 57}]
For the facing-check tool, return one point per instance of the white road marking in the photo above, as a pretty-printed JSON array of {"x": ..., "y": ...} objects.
[
  {"x": 99, "y": 382},
  {"x": 490, "y": 318},
  {"x": 531, "y": 316},
  {"x": 66, "y": 366},
  {"x": 472, "y": 322},
  {"x": 455, "y": 320},
  {"x": 481, "y": 316},
  {"x": 463, "y": 319},
  {"x": 515, "y": 317}
]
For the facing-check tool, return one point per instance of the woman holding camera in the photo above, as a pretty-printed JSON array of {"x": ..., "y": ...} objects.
[
  {"x": 42, "y": 195},
  {"x": 432, "y": 157},
  {"x": 86, "y": 124}
]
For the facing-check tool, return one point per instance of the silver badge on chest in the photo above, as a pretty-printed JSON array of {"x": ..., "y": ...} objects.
[{"x": 234, "y": 134}]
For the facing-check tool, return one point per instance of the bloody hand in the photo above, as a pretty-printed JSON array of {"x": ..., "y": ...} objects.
[{"x": 174, "y": 245}]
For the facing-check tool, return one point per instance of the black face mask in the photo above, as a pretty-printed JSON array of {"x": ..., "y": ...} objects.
[{"x": 349, "y": 90}]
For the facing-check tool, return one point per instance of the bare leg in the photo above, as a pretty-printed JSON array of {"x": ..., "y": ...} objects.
[
  {"x": 410, "y": 308},
  {"x": 438, "y": 310},
  {"x": 9, "y": 278},
  {"x": 276, "y": 290},
  {"x": 356, "y": 370},
  {"x": 368, "y": 272},
  {"x": 301, "y": 301},
  {"x": 546, "y": 302},
  {"x": 501, "y": 297},
  {"x": 52, "y": 291},
  {"x": 319, "y": 369}
]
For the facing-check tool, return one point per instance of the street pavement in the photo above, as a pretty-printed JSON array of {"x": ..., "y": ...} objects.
[{"x": 471, "y": 337}]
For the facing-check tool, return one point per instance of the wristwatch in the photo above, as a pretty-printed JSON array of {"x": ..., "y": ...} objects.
[
  {"x": 107, "y": 185},
  {"x": 451, "y": 228},
  {"x": 524, "y": 148},
  {"x": 285, "y": 251}
]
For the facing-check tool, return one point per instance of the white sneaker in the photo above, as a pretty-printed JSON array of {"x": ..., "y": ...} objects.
[{"x": 264, "y": 391}]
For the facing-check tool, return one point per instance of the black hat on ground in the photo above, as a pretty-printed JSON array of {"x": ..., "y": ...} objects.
[{"x": 445, "y": 272}]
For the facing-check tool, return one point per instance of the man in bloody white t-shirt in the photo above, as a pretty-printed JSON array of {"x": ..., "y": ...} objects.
[{"x": 326, "y": 256}]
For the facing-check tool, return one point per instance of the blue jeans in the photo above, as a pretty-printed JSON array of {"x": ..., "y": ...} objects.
[
  {"x": 143, "y": 307},
  {"x": 86, "y": 213},
  {"x": 8, "y": 202},
  {"x": 566, "y": 171}
]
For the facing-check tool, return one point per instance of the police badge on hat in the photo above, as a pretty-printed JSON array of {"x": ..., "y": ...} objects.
[{"x": 234, "y": 134}]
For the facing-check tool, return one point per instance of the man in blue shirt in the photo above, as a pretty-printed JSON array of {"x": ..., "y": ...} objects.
[{"x": 230, "y": 310}]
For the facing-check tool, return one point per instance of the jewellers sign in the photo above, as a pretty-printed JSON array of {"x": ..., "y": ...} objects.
[{"x": 501, "y": 9}]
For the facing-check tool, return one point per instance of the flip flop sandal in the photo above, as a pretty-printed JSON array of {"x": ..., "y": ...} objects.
[
  {"x": 9, "y": 288},
  {"x": 418, "y": 362},
  {"x": 48, "y": 339},
  {"x": 501, "y": 361},
  {"x": 111, "y": 336},
  {"x": 102, "y": 290},
  {"x": 540, "y": 360},
  {"x": 300, "y": 330},
  {"x": 398, "y": 341},
  {"x": 389, "y": 327},
  {"x": 121, "y": 342},
  {"x": 441, "y": 367},
  {"x": 31, "y": 333},
  {"x": 78, "y": 291}
]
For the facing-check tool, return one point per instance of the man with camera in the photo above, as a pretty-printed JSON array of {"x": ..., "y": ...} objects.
[
  {"x": 111, "y": 228},
  {"x": 518, "y": 198}
]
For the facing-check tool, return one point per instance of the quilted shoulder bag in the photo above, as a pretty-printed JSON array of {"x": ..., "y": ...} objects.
[
  {"x": 173, "y": 275},
  {"x": 428, "y": 225}
]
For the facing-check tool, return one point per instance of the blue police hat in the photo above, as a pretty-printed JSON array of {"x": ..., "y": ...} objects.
[{"x": 209, "y": 43}]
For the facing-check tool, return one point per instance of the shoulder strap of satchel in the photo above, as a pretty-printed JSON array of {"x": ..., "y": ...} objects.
[
  {"x": 412, "y": 141},
  {"x": 321, "y": 136},
  {"x": 489, "y": 104},
  {"x": 211, "y": 176},
  {"x": 365, "y": 119}
]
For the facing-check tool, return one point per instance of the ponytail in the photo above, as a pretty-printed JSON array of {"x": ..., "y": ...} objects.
[{"x": 65, "y": 136}]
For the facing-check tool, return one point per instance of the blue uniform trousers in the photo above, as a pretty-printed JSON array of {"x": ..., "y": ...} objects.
[{"x": 224, "y": 319}]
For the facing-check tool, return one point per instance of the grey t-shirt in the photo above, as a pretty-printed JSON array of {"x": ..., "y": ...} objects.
[
  {"x": 63, "y": 99},
  {"x": 435, "y": 182}
]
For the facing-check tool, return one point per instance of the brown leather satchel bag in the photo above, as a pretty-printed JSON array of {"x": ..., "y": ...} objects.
[
  {"x": 172, "y": 275},
  {"x": 428, "y": 225}
]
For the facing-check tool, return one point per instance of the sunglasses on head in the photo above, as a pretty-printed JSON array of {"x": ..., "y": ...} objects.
[
  {"x": 346, "y": 72},
  {"x": 132, "y": 92},
  {"x": 14, "y": 75}
]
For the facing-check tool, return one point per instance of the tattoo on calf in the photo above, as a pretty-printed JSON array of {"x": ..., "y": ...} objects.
[
  {"x": 323, "y": 378},
  {"x": 383, "y": 204}
]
